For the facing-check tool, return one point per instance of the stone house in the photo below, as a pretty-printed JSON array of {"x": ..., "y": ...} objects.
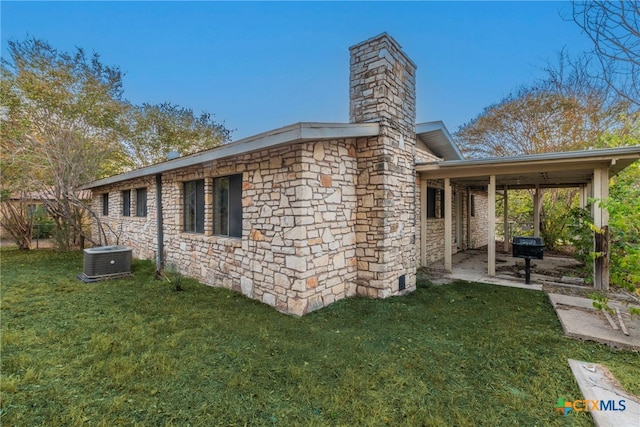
[{"x": 305, "y": 215}]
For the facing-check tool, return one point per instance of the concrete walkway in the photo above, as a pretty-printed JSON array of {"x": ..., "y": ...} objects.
[
  {"x": 580, "y": 320},
  {"x": 598, "y": 385}
]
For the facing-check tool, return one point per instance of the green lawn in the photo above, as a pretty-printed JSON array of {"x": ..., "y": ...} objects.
[{"x": 135, "y": 352}]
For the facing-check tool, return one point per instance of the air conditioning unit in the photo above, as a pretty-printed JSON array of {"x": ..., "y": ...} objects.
[{"x": 106, "y": 262}]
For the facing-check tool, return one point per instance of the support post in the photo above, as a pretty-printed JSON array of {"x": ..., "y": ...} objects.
[
  {"x": 505, "y": 216},
  {"x": 468, "y": 218},
  {"x": 491, "y": 232},
  {"x": 601, "y": 221},
  {"x": 159, "y": 225},
  {"x": 536, "y": 211},
  {"x": 448, "y": 225},
  {"x": 583, "y": 196},
  {"x": 423, "y": 222}
]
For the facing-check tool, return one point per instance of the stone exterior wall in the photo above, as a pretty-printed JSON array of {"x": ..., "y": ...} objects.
[
  {"x": 382, "y": 85},
  {"x": 139, "y": 232},
  {"x": 423, "y": 156},
  {"x": 473, "y": 232},
  {"x": 298, "y": 245},
  {"x": 480, "y": 221},
  {"x": 321, "y": 220}
]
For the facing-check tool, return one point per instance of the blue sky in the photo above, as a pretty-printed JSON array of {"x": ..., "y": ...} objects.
[{"x": 260, "y": 66}]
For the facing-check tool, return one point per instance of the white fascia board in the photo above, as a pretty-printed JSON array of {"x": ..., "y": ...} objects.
[
  {"x": 298, "y": 132},
  {"x": 605, "y": 154}
]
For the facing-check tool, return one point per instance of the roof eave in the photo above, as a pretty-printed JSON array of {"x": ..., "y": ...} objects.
[
  {"x": 451, "y": 150},
  {"x": 606, "y": 154},
  {"x": 298, "y": 132}
]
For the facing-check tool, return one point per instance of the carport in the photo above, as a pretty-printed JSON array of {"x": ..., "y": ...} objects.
[{"x": 588, "y": 170}]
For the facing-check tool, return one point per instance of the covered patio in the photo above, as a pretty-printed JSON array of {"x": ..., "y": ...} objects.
[
  {"x": 471, "y": 266},
  {"x": 587, "y": 170}
]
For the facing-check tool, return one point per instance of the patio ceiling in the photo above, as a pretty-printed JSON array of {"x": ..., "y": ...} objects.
[{"x": 566, "y": 169}]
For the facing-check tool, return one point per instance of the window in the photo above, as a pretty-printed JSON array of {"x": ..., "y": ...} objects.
[
  {"x": 141, "y": 202},
  {"x": 227, "y": 206},
  {"x": 105, "y": 204},
  {"x": 31, "y": 211},
  {"x": 433, "y": 195},
  {"x": 126, "y": 203},
  {"x": 431, "y": 202},
  {"x": 472, "y": 208},
  {"x": 194, "y": 206}
]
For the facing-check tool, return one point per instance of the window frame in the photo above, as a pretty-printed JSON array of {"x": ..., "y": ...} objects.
[
  {"x": 227, "y": 206},
  {"x": 126, "y": 202},
  {"x": 141, "y": 208},
  {"x": 193, "y": 206},
  {"x": 432, "y": 194},
  {"x": 105, "y": 204}
]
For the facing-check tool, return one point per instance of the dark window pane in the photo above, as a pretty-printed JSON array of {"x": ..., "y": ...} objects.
[
  {"x": 105, "y": 204},
  {"x": 194, "y": 206},
  {"x": 227, "y": 206},
  {"x": 221, "y": 206},
  {"x": 200, "y": 206},
  {"x": 126, "y": 203},
  {"x": 189, "y": 206},
  {"x": 141, "y": 202},
  {"x": 431, "y": 202},
  {"x": 442, "y": 204}
]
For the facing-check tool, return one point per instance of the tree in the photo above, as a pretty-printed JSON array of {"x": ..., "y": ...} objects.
[
  {"x": 60, "y": 127},
  {"x": 623, "y": 205},
  {"x": 614, "y": 29},
  {"x": 567, "y": 110},
  {"x": 156, "y": 130},
  {"x": 64, "y": 122}
]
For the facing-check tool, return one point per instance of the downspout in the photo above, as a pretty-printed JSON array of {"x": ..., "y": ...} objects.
[{"x": 160, "y": 236}]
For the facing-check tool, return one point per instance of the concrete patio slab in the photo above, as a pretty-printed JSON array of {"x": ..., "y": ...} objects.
[
  {"x": 597, "y": 384},
  {"x": 471, "y": 266},
  {"x": 580, "y": 320}
]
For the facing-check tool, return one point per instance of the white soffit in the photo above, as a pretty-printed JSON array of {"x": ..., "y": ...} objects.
[{"x": 437, "y": 138}]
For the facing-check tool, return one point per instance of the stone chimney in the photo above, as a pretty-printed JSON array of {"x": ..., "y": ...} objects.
[
  {"x": 382, "y": 89},
  {"x": 382, "y": 83}
]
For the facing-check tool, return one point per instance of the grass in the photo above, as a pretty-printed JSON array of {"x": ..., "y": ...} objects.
[{"x": 135, "y": 352}]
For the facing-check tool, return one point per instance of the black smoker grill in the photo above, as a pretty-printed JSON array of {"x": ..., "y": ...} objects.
[{"x": 528, "y": 248}]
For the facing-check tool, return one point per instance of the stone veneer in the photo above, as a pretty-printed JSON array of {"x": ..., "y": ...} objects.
[
  {"x": 474, "y": 232},
  {"x": 298, "y": 245},
  {"x": 321, "y": 220},
  {"x": 382, "y": 88}
]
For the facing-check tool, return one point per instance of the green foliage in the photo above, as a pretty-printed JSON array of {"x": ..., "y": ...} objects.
[
  {"x": 43, "y": 224},
  {"x": 557, "y": 206},
  {"x": 65, "y": 122},
  {"x": 601, "y": 302},
  {"x": 171, "y": 273},
  {"x": 133, "y": 351},
  {"x": 554, "y": 215},
  {"x": 60, "y": 126},
  {"x": 581, "y": 236},
  {"x": 156, "y": 130},
  {"x": 623, "y": 206}
]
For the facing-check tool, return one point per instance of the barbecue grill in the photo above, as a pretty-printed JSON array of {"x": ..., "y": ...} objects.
[{"x": 529, "y": 248}]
